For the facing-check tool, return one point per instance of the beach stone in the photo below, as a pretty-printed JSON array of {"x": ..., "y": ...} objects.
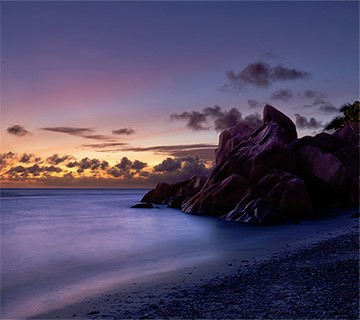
[{"x": 217, "y": 199}]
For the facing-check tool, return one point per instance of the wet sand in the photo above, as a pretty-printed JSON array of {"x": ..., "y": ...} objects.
[{"x": 319, "y": 280}]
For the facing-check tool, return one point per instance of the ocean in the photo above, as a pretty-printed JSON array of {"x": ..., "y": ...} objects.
[{"x": 60, "y": 245}]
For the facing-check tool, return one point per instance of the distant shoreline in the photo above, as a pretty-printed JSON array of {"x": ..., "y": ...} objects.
[{"x": 319, "y": 280}]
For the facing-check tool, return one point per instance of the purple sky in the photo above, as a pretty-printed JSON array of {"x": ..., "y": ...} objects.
[{"x": 120, "y": 69}]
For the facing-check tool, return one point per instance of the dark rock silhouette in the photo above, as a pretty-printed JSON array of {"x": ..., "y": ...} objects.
[{"x": 266, "y": 174}]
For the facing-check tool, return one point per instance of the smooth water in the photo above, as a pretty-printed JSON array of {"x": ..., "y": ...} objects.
[{"x": 58, "y": 245}]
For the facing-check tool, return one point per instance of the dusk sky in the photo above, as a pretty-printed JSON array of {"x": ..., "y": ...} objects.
[{"x": 107, "y": 94}]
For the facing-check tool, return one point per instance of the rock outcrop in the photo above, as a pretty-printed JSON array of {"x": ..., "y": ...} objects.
[{"x": 266, "y": 174}]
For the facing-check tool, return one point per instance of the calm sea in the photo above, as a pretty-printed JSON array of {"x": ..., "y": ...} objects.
[{"x": 58, "y": 244}]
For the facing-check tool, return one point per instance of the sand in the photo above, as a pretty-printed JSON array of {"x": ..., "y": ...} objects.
[{"x": 319, "y": 280}]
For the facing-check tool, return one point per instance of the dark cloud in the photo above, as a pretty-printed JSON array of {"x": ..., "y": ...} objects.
[
  {"x": 199, "y": 120},
  {"x": 17, "y": 130},
  {"x": 254, "y": 103},
  {"x": 25, "y": 158},
  {"x": 195, "y": 119},
  {"x": 86, "y": 133},
  {"x": 87, "y": 163},
  {"x": 124, "y": 164},
  {"x": 138, "y": 165},
  {"x": 18, "y": 169},
  {"x": 96, "y": 137},
  {"x": 5, "y": 157},
  {"x": 204, "y": 151},
  {"x": 123, "y": 131},
  {"x": 168, "y": 164},
  {"x": 319, "y": 101},
  {"x": 253, "y": 119},
  {"x": 52, "y": 169},
  {"x": 70, "y": 130},
  {"x": 328, "y": 108},
  {"x": 303, "y": 123},
  {"x": 55, "y": 159},
  {"x": 72, "y": 164},
  {"x": 282, "y": 94},
  {"x": 262, "y": 75},
  {"x": 104, "y": 145},
  {"x": 35, "y": 170},
  {"x": 311, "y": 94}
]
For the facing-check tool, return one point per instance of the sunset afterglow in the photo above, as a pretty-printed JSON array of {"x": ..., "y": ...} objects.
[{"x": 128, "y": 94}]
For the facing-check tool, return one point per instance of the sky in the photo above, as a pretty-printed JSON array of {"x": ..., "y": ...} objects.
[{"x": 128, "y": 94}]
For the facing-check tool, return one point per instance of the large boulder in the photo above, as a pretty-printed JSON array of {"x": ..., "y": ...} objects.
[
  {"x": 272, "y": 114},
  {"x": 327, "y": 143},
  {"x": 218, "y": 198},
  {"x": 277, "y": 196},
  {"x": 267, "y": 148},
  {"x": 231, "y": 138},
  {"x": 324, "y": 174}
]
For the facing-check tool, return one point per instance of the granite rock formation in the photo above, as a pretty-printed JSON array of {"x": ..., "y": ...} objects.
[{"x": 266, "y": 174}]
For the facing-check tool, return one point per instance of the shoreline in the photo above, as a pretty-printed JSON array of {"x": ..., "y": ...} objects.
[{"x": 318, "y": 279}]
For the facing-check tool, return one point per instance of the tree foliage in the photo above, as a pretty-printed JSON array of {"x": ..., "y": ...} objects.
[{"x": 351, "y": 114}]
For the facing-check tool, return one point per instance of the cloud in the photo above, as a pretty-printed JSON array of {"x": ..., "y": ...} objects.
[
  {"x": 319, "y": 101},
  {"x": 55, "y": 159},
  {"x": 204, "y": 151},
  {"x": 195, "y": 119},
  {"x": 253, "y": 119},
  {"x": 86, "y": 133},
  {"x": 254, "y": 103},
  {"x": 283, "y": 94},
  {"x": 70, "y": 130},
  {"x": 17, "y": 130},
  {"x": 123, "y": 131},
  {"x": 98, "y": 173},
  {"x": 168, "y": 164},
  {"x": 199, "y": 120},
  {"x": 311, "y": 94},
  {"x": 303, "y": 123},
  {"x": 261, "y": 75},
  {"x": 329, "y": 108},
  {"x": 138, "y": 165},
  {"x": 25, "y": 158}
]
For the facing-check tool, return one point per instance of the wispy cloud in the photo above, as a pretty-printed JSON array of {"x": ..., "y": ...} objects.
[
  {"x": 261, "y": 75},
  {"x": 304, "y": 123},
  {"x": 70, "y": 130},
  {"x": 17, "y": 130},
  {"x": 86, "y": 133},
  {"x": 282, "y": 94},
  {"x": 319, "y": 101},
  {"x": 123, "y": 131},
  {"x": 253, "y": 104}
]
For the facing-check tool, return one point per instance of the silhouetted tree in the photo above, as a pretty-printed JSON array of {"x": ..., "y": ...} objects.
[{"x": 351, "y": 114}]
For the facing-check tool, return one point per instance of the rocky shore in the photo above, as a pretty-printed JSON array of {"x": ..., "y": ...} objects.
[
  {"x": 320, "y": 281},
  {"x": 266, "y": 174}
]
